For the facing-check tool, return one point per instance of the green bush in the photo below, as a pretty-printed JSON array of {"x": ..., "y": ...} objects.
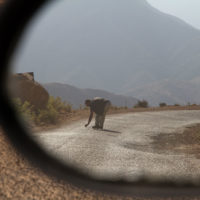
[
  {"x": 162, "y": 104},
  {"x": 50, "y": 114},
  {"x": 142, "y": 104},
  {"x": 26, "y": 110},
  {"x": 59, "y": 105}
]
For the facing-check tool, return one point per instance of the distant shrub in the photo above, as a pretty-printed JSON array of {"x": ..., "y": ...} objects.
[
  {"x": 162, "y": 104},
  {"x": 142, "y": 104},
  {"x": 115, "y": 108},
  {"x": 26, "y": 110},
  {"x": 176, "y": 104}
]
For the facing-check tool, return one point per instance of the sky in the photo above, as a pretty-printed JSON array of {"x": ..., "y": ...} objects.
[
  {"x": 64, "y": 39},
  {"x": 51, "y": 21},
  {"x": 187, "y": 10}
]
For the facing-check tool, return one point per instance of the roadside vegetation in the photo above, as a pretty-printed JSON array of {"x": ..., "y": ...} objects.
[
  {"x": 59, "y": 112},
  {"x": 55, "y": 113},
  {"x": 142, "y": 104},
  {"x": 49, "y": 115},
  {"x": 162, "y": 104}
]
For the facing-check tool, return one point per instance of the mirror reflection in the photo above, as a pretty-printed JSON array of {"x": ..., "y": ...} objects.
[{"x": 112, "y": 88}]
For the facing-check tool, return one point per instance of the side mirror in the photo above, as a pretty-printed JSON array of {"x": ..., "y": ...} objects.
[{"x": 14, "y": 18}]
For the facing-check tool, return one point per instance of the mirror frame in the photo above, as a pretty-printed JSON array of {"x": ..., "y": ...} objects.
[{"x": 14, "y": 16}]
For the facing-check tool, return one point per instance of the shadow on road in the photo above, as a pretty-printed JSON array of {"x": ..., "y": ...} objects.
[{"x": 110, "y": 131}]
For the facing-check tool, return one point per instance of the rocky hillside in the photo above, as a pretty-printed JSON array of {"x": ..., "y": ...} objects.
[
  {"x": 76, "y": 96},
  {"x": 24, "y": 87}
]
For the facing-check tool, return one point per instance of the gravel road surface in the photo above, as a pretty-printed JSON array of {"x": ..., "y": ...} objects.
[{"x": 124, "y": 149}]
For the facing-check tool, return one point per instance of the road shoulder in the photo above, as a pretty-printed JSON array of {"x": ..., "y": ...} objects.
[{"x": 187, "y": 142}]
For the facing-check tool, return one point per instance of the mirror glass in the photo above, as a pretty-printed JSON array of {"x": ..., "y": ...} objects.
[{"x": 138, "y": 69}]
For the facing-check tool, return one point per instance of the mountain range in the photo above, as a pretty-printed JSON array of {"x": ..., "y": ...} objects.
[
  {"x": 126, "y": 47},
  {"x": 76, "y": 96}
]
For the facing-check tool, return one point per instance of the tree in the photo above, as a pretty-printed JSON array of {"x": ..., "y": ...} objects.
[
  {"x": 142, "y": 104},
  {"x": 163, "y": 104}
]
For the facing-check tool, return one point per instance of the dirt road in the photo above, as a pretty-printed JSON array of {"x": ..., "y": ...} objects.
[{"x": 124, "y": 149}]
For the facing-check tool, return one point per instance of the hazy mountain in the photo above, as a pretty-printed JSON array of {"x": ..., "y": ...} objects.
[
  {"x": 76, "y": 96},
  {"x": 169, "y": 91},
  {"x": 125, "y": 47}
]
